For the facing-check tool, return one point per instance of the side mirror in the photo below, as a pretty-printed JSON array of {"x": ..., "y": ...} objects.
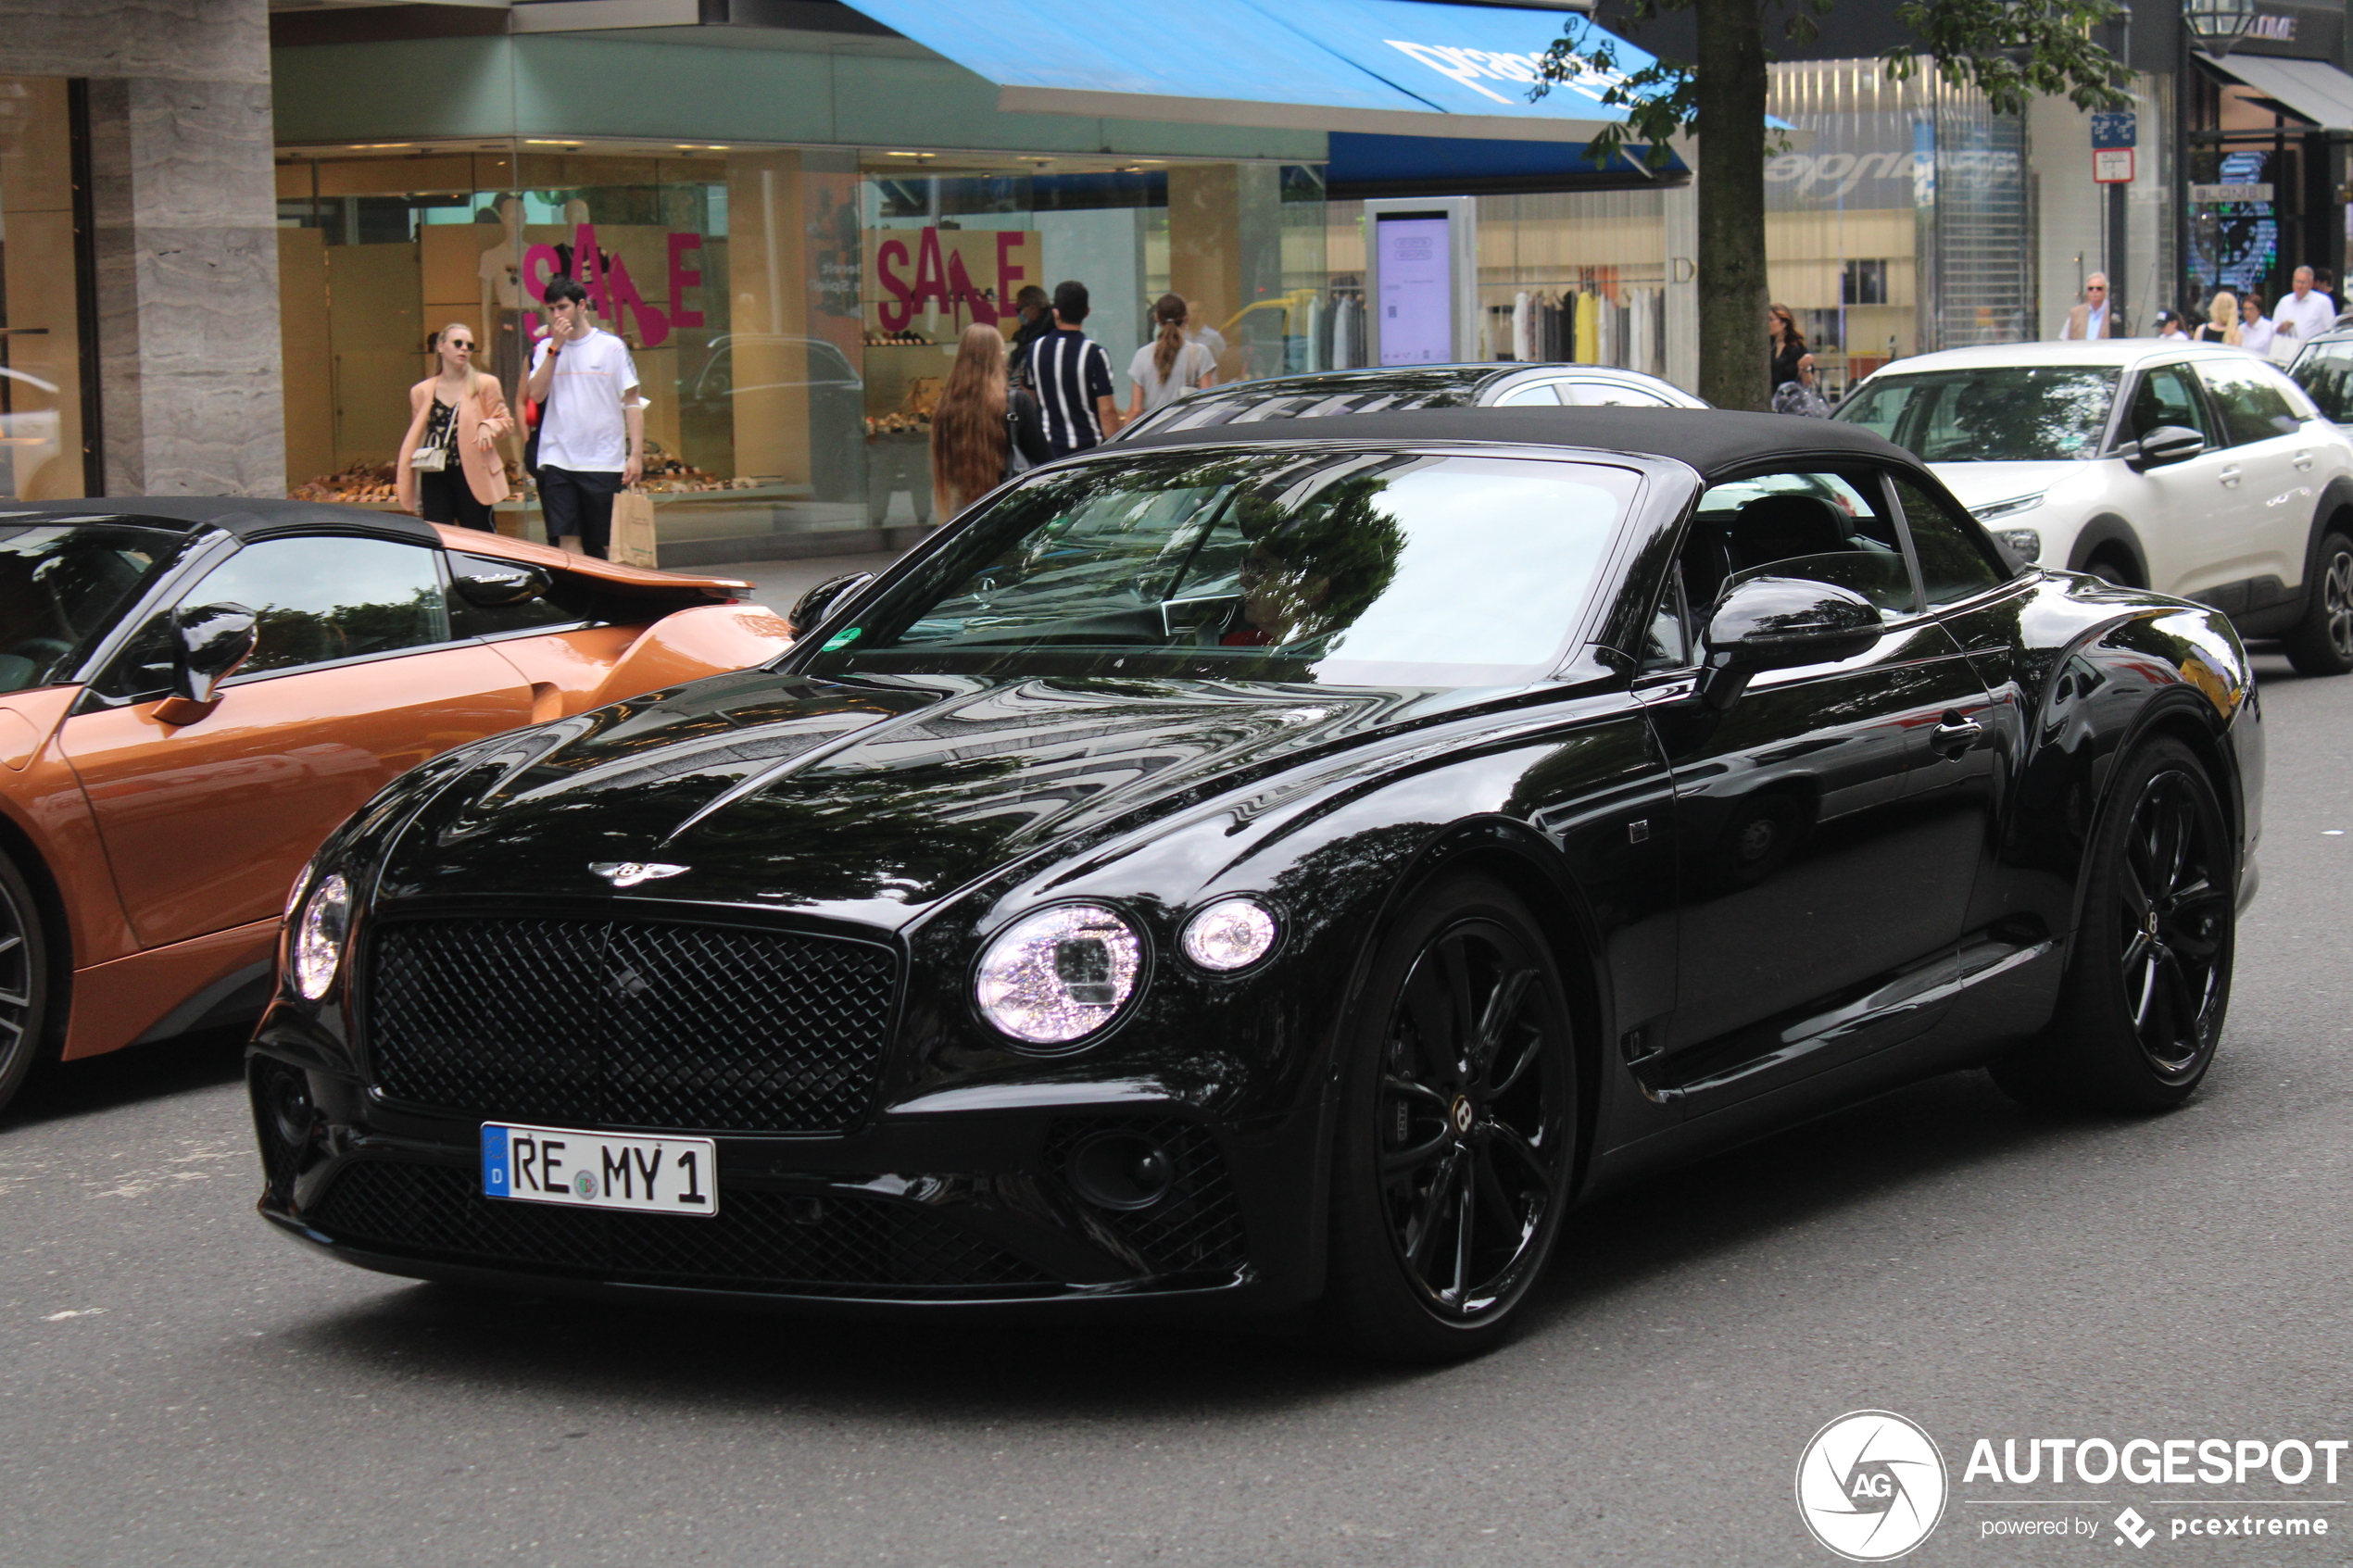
[
  {"x": 209, "y": 642},
  {"x": 814, "y": 605},
  {"x": 2166, "y": 444},
  {"x": 1778, "y": 624},
  {"x": 489, "y": 587}
]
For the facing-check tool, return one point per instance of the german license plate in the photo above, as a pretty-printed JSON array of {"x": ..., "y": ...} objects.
[{"x": 564, "y": 1165}]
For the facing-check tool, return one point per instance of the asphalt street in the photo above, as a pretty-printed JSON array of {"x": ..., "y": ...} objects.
[{"x": 182, "y": 1387}]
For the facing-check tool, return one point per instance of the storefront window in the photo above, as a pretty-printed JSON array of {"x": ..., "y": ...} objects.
[
  {"x": 792, "y": 312},
  {"x": 42, "y": 351}
]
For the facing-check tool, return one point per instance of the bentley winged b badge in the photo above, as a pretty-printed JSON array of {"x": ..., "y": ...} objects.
[{"x": 629, "y": 874}]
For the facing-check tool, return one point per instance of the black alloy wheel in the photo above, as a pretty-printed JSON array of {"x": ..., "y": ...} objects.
[
  {"x": 24, "y": 983},
  {"x": 2322, "y": 643},
  {"x": 2149, "y": 983},
  {"x": 1458, "y": 1137}
]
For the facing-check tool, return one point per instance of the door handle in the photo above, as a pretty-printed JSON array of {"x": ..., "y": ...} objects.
[
  {"x": 1954, "y": 736},
  {"x": 2303, "y": 460},
  {"x": 2230, "y": 477}
]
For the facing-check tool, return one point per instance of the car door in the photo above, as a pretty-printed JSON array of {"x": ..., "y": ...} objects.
[
  {"x": 2254, "y": 566},
  {"x": 1811, "y": 884},
  {"x": 354, "y": 679},
  {"x": 2183, "y": 512}
]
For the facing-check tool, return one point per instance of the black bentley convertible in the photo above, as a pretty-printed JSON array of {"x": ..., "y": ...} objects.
[{"x": 1265, "y": 870}]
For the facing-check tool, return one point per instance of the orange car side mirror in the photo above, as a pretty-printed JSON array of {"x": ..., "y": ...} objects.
[{"x": 209, "y": 643}]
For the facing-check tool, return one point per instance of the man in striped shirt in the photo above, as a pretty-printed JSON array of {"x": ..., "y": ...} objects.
[{"x": 1072, "y": 375}]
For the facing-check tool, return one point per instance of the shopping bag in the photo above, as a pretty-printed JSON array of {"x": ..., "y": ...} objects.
[{"x": 632, "y": 529}]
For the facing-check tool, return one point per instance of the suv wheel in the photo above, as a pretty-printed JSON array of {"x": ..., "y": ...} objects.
[{"x": 2322, "y": 643}]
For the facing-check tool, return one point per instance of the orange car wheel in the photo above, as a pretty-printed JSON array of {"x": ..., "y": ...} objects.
[{"x": 25, "y": 982}]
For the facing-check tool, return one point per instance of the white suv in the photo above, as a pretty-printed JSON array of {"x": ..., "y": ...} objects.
[{"x": 2192, "y": 468}]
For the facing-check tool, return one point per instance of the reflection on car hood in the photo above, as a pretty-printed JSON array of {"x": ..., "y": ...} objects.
[
  {"x": 1975, "y": 484},
  {"x": 860, "y": 798}
]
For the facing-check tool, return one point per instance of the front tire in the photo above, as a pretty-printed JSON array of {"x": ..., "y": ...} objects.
[
  {"x": 2322, "y": 642},
  {"x": 2150, "y": 981},
  {"x": 25, "y": 983},
  {"x": 1457, "y": 1130}
]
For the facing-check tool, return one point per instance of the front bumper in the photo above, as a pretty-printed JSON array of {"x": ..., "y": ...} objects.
[{"x": 983, "y": 1212}]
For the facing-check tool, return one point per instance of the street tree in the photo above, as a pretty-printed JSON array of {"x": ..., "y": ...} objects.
[{"x": 2010, "y": 50}]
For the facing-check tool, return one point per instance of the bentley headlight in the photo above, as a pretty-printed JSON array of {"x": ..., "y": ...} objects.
[
  {"x": 1230, "y": 934},
  {"x": 319, "y": 936},
  {"x": 1061, "y": 973}
]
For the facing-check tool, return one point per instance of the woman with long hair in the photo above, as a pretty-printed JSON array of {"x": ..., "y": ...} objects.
[
  {"x": 1786, "y": 343},
  {"x": 449, "y": 469},
  {"x": 2222, "y": 322},
  {"x": 979, "y": 425},
  {"x": 1169, "y": 366}
]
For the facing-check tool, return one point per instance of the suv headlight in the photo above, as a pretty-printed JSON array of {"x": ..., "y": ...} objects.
[
  {"x": 1059, "y": 974},
  {"x": 2023, "y": 544},
  {"x": 2010, "y": 507},
  {"x": 319, "y": 937}
]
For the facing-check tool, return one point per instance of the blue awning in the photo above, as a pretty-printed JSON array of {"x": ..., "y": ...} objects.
[
  {"x": 1374, "y": 165},
  {"x": 1396, "y": 67}
]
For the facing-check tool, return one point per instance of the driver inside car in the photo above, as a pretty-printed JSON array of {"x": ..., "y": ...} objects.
[{"x": 1313, "y": 573}]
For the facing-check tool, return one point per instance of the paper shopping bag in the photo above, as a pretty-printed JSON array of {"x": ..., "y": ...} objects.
[{"x": 632, "y": 529}]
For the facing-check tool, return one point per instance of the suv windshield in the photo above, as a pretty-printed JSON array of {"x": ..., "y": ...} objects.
[
  {"x": 2325, "y": 370},
  {"x": 1370, "y": 568},
  {"x": 1292, "y": 397},
  {"x": 61, "y": 586},
  {"x": 1998, "y": 414}
]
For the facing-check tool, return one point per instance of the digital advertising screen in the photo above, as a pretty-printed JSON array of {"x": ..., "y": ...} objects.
[{"x": 1415, "y": 264}]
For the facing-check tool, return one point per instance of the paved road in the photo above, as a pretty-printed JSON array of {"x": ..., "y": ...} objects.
[{"x": 182, "y": 1388}]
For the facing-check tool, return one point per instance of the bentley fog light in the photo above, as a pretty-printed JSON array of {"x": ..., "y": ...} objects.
[
  {"x": 1229, "y": 934},
  {"x": 318, "y": 938},
  {"x": 1061, "y": 973}
]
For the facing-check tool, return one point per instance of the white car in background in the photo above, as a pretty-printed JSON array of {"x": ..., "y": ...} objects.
[{"x": 2196, "y": 469}]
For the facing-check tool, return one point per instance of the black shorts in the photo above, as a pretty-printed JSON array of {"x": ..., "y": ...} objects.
[
  {"x": 579, "y": 503},
  {"x": 445, "y": 496}
]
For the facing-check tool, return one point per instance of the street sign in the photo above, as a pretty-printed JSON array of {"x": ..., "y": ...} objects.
[
  {"x": 2116, "y": 128},
  {"x": 2112, "y": 166}
]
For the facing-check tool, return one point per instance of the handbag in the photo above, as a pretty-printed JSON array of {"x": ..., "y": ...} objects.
[
  {"x": 1016, "y": 460},
  {"x": 429, "y": 459}
]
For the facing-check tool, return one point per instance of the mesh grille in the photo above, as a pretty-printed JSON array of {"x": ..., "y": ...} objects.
[
  {"x": 629, "y": 1025},
  {"x": 757, "y": 1241},
  {"x": 1198, "y": 1226}
]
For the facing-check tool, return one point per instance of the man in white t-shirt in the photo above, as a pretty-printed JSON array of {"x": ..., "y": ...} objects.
[
  {"x": 2302, "y": 315},
  {"x": 592, "y": 423}
]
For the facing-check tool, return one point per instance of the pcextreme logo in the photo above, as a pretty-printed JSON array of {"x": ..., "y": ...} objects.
[{"x": 1871, "y": 1486}]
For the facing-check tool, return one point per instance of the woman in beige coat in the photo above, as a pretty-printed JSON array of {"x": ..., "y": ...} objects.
[{"x": 449, "y": 469}]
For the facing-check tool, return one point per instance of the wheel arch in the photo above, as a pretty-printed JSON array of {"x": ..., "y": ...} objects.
[
  {"x": 19, "y": 844},
  {"x": 2174, "y": 717},
  {"x": 2332, "y": 514},
  {"x": 2108, "y": 533}
]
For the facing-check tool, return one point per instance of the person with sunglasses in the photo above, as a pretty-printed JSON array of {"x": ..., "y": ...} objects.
[
  {"x": 2092, "y": 318},
  {"x": 449, "y": 469}
]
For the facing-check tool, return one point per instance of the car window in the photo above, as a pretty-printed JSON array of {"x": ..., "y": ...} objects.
[
  {"x": 1957, "y": 559},
  {"x": 2325, "y": 372},
  {"x": 1610, "y": 395},
  {"x": 2167, "y": 396},
  {"x": 2005, "y": 413},
  {"x": 63, "y": 586},
  {"x": 2249, "y": 404},
  {"x": 1541, "y": 395},
  {"x": 328, "y": 597},
  {"x": 1383, "y": 567},
  {"x": 1820, "y": 526}
]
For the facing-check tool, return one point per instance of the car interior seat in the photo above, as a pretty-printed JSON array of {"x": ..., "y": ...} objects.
[{"x": 1778, "y": 527}]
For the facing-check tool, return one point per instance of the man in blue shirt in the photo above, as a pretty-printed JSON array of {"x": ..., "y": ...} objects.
[{"x": 1072, "y": 375}]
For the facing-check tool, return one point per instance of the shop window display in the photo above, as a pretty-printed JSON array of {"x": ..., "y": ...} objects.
[
  {"x": 791, "y": 312},
  {"x": 42, "y": 351}
]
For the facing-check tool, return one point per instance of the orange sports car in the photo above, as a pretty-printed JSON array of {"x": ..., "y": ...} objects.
[{"x": 194, "y": 691}]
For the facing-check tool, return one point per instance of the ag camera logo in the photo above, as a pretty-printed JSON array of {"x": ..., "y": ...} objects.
[{"x": 1871, "y": 1486}]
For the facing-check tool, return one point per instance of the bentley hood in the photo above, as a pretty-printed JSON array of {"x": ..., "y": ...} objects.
[{"x": 863, "y": 799}]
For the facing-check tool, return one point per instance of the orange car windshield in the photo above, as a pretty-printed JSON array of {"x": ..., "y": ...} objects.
[{"x": 62, "y": 587}]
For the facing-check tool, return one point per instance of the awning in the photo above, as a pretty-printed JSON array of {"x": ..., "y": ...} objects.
[
  {"x": 1398, "y": 67},
  {"x": 2312, "y": 90},
  {"x": 1362, "y": 165}
]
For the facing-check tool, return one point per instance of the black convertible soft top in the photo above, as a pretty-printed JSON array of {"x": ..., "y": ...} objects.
[
  {"x": 1711, "y": 440},
  {"x": 245, "y": 516}
]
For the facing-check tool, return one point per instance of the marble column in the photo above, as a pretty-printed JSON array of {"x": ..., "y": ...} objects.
[{"x": 184, "y": 213}]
